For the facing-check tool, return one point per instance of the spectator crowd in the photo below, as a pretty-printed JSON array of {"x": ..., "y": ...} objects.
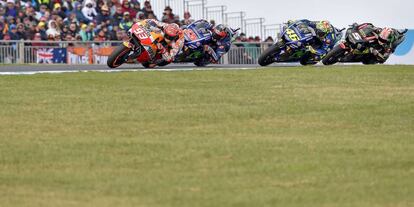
[{"x": 80, "y": 20}]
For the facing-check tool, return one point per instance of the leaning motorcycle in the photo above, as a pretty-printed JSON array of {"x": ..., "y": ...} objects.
[
  {"x": 357, "y": 48},
  {"x": 193, "y": 50},
  {"x": 141, "y": 47},
  {"x": 293, "y": 46}
]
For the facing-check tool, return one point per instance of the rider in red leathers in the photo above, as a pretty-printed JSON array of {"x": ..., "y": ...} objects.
[{"x": 174, "y": 39}]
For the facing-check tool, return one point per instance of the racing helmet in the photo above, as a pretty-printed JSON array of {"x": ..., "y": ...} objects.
[
  {"x": 386, "y": 35},
  {"x": 172, "y": 32},
  {"x": 219, "y": 32},
  {"x": 323, "y": 28}
]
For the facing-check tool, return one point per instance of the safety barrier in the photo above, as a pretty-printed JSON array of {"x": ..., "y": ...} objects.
[
  {"x": 177, "y": 6},
  {"x": 197, "y": 8},
  {"x": 216, "y": 13},
  {"x": 254, "y": 27},
  {"x": 235, "y": 19},
  {"x": 44, "y": 52}
]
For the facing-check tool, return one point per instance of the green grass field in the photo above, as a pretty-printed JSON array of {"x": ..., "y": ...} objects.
[{"x": 331, "y": 136}]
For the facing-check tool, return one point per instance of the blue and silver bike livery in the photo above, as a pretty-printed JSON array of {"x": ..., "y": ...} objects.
[
  {"x": 196, "y": 36},
  {"x": 296, "y": 44}
]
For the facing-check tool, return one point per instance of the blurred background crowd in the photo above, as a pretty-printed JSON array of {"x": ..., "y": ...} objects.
[{"x": 81, "y": 20}]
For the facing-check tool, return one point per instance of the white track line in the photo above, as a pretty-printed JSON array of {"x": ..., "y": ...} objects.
[{"x": 116, "y": 70}]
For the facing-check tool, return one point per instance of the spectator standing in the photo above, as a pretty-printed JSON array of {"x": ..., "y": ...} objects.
[
  {"x": 21, "y": 32},
  {"x": 126, "y": 22},
  {"x": 11, "y": 9},
  {"x": 187, "y": 19},
  {"x": 89, "y": 11},
  {"x": 85, "y": 33},
  {"x": 13, "y": 33},
  {"x": 140, "y": 16},
  {"x": 41, "y": 29},
  {"x": 57, "y": 10},
  {"x": 149, "y": 13},
  {"x": 103, "y": 16},
  {"x": 169, "y": 17},
  {"x": 79, "y": 14},
  {"x": 52, "y": 30},
  {"x": 126, "y": 7},
  {"x": 118, "y": 16}
]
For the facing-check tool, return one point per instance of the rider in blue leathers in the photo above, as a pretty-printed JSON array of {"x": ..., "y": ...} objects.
[
  {"x": 220, "y": 43},
  {"x": 325, "y": 35}
]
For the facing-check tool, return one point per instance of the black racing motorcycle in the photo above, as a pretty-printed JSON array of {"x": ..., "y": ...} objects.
[{"x": 357, "y": 48}]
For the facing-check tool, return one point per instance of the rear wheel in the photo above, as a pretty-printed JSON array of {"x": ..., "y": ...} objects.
[
  {"x": 118, "y": 57},
  {"x": 333, "y": 56},
  {"x": 200, "y": 63},
  {"x": 306, "y": 60},
  {"x": 267, "y": 57}
]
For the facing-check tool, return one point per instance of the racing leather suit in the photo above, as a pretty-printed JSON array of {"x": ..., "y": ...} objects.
[
  {"x": 370, "y": 33},
  {"x": 173, "y": 47},
  {"x": 216, "y": 48},
  {"x": 323, "y": 43}
]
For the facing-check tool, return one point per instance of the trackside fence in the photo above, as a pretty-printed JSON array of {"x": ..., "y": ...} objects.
[{"x": 45, "y": 52}]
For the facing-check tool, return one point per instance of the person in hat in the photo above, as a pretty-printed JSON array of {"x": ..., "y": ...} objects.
[
  {"x": 187, "y": 18},
  {"x": 57, "y": 10},
  {"x": 148, "y": 10},
  {"x": 85, "y": 33},
  {"x": 169, "y": 17},
  {"x": 126, "y": 7},
  {"x": 126, "y": 22},
  {"x": 89, "y": 11},
  {"x": 79, "y": 14},
  {"x": 103, "y": 16},
  {"x": 118, "y": 16},
  {"x": 140, "y": 16},
  {"x": 21, "y": 31},
  {"x": 13, "y": 33},
  {"x": 11, "y": 9},
  {"x": 41, "y": 28}
]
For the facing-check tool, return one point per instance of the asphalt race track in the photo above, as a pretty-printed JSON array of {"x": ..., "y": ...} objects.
[{"x": 17, "y": 69}]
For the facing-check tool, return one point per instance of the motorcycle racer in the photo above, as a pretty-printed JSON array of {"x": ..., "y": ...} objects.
[
  {"x": 325, "y": 35},
  {"x": 221, "y": 39},
  {"x": 382, "y": 41},
  {"x": 174, "y": 40}
]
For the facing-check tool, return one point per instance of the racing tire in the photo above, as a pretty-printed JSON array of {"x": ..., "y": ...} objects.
[
  {"x": 163, "y": 63},
  {"x": 333, "y": 56},
  {"x": 200, "y": 64},
  {"x": 118, "y": 57},
  {"x": 146, "y": 64},
  {"x": 369, "y": 61},
  {"x": 267, "y": 57},
  {"x": 305, "y": 60}
]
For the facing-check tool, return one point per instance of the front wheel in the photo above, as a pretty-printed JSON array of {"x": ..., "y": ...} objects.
[
  {"x": 118, "y": 57},
  {"x": 268, "y": 56},
  {"x": 333, "y": 56}
]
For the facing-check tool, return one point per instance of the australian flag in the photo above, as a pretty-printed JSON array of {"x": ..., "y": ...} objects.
[{"x": 51, "y": 55}]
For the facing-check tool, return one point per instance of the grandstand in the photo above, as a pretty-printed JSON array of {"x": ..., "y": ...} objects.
[{"x": 102, "y": 20}]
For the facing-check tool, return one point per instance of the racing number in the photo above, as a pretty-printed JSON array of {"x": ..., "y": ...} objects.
[
  {"x": 140, "y": 33},
  {"x": 292, "y": 35},
  {"x": 191, "y": 34}
]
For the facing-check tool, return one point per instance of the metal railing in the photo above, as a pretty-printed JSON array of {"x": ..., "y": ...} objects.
[
  {"x": 45, "y": 52},
  {"x": 197, "y": 8},
  {"x": 158, "y": 7},
  {"x": 235, "y": 19},
  {"x": 254, "y": 27},
  {"x": 216, "y": 13},
  {"x": 271, "y": 30}
]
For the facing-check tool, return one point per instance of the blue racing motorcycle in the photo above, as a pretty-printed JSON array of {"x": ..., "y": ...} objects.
[
  {"x": 293, "y": 45},
  {"x": 196, "y": 36}
]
